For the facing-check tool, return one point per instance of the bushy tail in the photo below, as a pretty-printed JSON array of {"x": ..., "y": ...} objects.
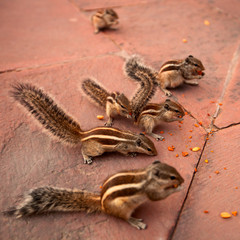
[
  {"x": 49, "y": 199},
  {"x": 43, "y": 108},
  {"x": 95, "y": 92},
  {"x": 147, "y": 79}
]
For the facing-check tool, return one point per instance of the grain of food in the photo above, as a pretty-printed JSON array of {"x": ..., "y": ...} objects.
[
  {"x": 100, "y": 117},
  {"x": 225, "y": 215},
  {"x": 196, "y": 149}
]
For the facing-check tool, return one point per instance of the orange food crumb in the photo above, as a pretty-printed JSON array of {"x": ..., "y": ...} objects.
[
  {"x": 190, "y": 130},
  {"x": 163, "y": 140},
  {"x": 208, "y": 114},
  {"x": 220, "y": 104},
  {"x": 212, "y": 101},
  {"x": 100, "y": 117},
  {"x": 161, "y": 132},
  {"x": 225, "y": 215},
  {"x": 205, "y": 211},
  {"x": 236, "y": 187},
  {"x": 207, "y": 138},
  {"x": 181, "y": 122},
  {"x": 179, "y": 126},
  {"x": 206, "y": 22},
  {"x": 217, "y": 172},
  {"x": 185, "y": 154},
  {"x": 234, "y": 213},
  {"x": 196, "y": 125},
  {"x": 195, "y": 170},
  {"x": 190, "y": 137},
  {"x": 170, "y": 134},
  {"x": 225, "y": 168},
  {"x": 196, "y": 149},
  {"x": 190, "y": 148},
  {"x": 210, "y": 176},
  {"x": 184, "y": 40},
  {"x": 186, "y": 113},
  {"x": 100, "y": 186},
  {"x": 206, "y": 161},
  {"x": 200, "y": 123},
  {"x": 171, "y": 148},
  {"x": 177, "y": 155},
  {"x": 211, "y": 151}
]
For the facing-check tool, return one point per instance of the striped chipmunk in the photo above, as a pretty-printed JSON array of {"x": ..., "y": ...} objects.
[
  {"x": 94, "y": 142},
  {"x": 104, "y": 19},
  {"x": 176, "y": 72},
  {"x": 120, "y": 194},
  {"x": 144, "y": 114}
]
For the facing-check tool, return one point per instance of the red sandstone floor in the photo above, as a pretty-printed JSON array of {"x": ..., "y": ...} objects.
[{"x": 51, "y": 44}]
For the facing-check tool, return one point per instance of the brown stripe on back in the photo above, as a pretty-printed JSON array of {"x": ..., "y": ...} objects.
[
  {"x": 170, "y": 68},
  {"x": 154, "y": 106},
  {"x": 177, "y": 62},
  {"x": 108, "y": 132},
  {"x": 123, "y": 193},
  {"x": 122, "y": 180}
]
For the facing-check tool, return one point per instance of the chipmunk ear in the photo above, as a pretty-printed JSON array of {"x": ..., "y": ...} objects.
[
  {"x": 156, "y": 162},
  {"x": 138, "y": 142},
  {"x": 166, "y": 106}
]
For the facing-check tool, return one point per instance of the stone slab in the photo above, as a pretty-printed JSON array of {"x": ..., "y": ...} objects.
[
  {"x": 46, "y": 32},
  {"x": 29, "y": 158},
  {"x": 214, "y": 192}
]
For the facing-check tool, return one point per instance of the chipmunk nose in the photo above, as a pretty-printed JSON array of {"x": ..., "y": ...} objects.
[{"x": 203, "y": 73}]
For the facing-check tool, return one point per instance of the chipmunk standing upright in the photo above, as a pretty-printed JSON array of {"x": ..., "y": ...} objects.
[
  {"x": 114, "y": 103},
  {"x": 104, "y": 19},
  {"x": 121, "y": 194},
  {"x": 176, "y": 72},
  {"x": 94, "y": 142}
]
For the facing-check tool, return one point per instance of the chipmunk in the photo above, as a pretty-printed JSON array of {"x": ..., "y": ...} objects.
[
  {"x": 114, "y": 103},
  {"x": 176, "y": 72},
  {"x": 120, "y": 195},
  {"x": 155, "y": 113},
  {"x": 95, "y": 141},
  {"x": 118, "y": 104},
  {"x": 103, "y": 19}
]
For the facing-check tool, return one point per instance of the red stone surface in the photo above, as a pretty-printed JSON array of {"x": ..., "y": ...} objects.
[
  {"x": 51, "y": 44},
  {"x": 213, "y": 192}
]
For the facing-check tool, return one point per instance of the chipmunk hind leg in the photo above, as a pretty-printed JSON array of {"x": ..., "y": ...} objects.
[
  {"x": 148, "y": 124},
  {"x": 123, "y": 207},
  {"x": 91, "y": 149}
]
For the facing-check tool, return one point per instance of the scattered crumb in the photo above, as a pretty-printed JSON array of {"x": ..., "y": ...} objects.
[
  {"x": 185, "y": 154},
  {"x": 220, "y": 104},
  {"x": 171, "y": 148},
  {"x": 217, "y": 172},
  {"x": 200, "y": 123},
  {"x": 225, "y": 215},
  {"x": 206, "y": 22},
  {"x": 190, "y": 137},
  {"x": 190, "y": 130},
  {"x": 208, "y": 114},
  {"x": 196, "y": 149},
  {"x": 196, "y": 125},
  {"x": 206, "y": 161},
  {"x": 212, "y": 101},
  {"x": 234, "y": 213},
  {"x": 100, "y": 117},
  {"x": 161, "y": 132},
  {"x": 177, "y": 155},
  {"x": 184, "y": 40},
  {"x": 225, "y": 168},
  {"x": 195, "y": 170},
  {"x": 100, "y": 187},
  {"x": 205, "y": 211}
]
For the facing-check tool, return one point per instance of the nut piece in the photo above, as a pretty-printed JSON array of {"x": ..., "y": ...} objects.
[
  {"x": 195, "y": 149},
  {"x": 225, "y": 215},
  {"x": 184, "y": 154},
  {"x": 100, "y": 117}
]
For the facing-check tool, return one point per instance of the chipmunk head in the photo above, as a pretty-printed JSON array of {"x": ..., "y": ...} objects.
[
  {"x": 192, "y": 68},
  {"x": 145, "y": 145},
  {"x": 122, "y": 104},
  {"x": 162, "y": 181},
  {"x": 172, "y": 111},
  {"x": 111, "y": 12}
]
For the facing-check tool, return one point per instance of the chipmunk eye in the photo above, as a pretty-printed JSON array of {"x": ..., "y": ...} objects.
[
  {"x": 122, "y": 106},
  {"x": 172, "y": 177},
  {"x": 176, "y": 111},
  {"x": 149, "y": 149},
  {"x": 196, "y": 65}
]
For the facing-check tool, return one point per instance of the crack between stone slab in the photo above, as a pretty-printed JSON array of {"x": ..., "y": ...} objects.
[
  {"x": 113, "y": 6},
  {"x": 64, "y": 62},
  {"x": 231, "y": 70},
  {"x": 172, "y": 232},
  {"x": 228, "y": 126}
]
